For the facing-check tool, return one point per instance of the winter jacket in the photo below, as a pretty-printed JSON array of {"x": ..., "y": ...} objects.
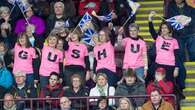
[
  {"x": 129, "y": 90},
  {"x": 6, "y": 78},
  {"x": 163, "y": 106}
]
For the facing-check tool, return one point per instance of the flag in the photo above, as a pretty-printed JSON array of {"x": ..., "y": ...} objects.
[
  {"x": 11, "y": 2},
  {"x": 178, "y": 22},
  {"x": 134, "y": 6},
  {"x": 66, "y": 23},
  {"x": 105, "y": 18},
  {"x": 86, "y": 17},
  {"x": 22, "y": 5},
  {"x": 88, "y": 37}
]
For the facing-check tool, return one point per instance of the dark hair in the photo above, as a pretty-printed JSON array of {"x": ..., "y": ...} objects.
[
  {"x": 55, "y": 74},
  {"x": 102, "y": 98},
  {"x": 23, "y": 34},
  {"x": 168, "y": 26},
  {"x": 154, "y": 90}
]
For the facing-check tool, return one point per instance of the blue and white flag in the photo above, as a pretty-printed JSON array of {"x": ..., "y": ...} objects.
[
  {"x": 176, "y": 25},
  {"x": 66, "y": 23},
  {"x": 179, "y": 22},
  {"x": 88, "y": 37},
  {"x": 106, "y": 18},
  {"x": 12, "y": 2},
  {"x": 134, "y": 6},
  {"x": 86, "y": 17},
  {"x": 22, "y": 5}
]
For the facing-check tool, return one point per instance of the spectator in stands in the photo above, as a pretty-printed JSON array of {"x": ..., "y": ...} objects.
[
  {"x": 166, "y": 45},
  {"x": 104, "y": 61},
  {"x": 6, "y": 79},
  {"x": 60, "y": 45},
  {"x": 52, "y": 90},
  {"x": 88, "y": 6},
  {"x": 51, "y": 60},
  {"x": 125, "y": 104},
  {"x": 160, "y": 83},
  {"x": 103, "y": 104},
  {"x": 76, "y": 59},
  {"x": 36, "y": 24},
  {"x": 6, "y": 56},
  {"x": 77, "y": 90},
  {"x": 22, "y": 90},
  {"x": 185, "y": 36},
  {"x": 5, "y": 26},
  {"x": 156, "y": 102},
  {"x": 123, "y": 11},
  {"x": 9, "y": 103},
  {"x": 59, "y": 18},
  {"x": 24, "y": 53},
  {"x": 65, "y": 104},
  {"x": 135, "y": 51},
  {"x": 131, "y": 86},
  {"x": 102, "y": 89}
]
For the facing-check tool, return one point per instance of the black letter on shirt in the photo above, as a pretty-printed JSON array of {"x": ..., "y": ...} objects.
[
  {"x": 102, "y": 53},
  {"x": 76, "y": 53},
  {"x": 135, "y": 49},
  {"x": 52, "y": 59},
  {"x": 23, "y": 55}
]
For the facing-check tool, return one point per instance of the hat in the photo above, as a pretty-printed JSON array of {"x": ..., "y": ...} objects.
[
  {"x": 20, "y": 73},
  {"x": 161, "y": 70},
  {"x": 129, "y": 72}
]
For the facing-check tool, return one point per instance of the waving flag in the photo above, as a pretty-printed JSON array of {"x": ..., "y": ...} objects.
[
  {"x": 86, "y": 17},
  {"x": 178, "y": 22},
  {"x": 66, "y": 23},
  {"x": 11, "y": 2},
  {"x": 22, "y": 5},
  {"x": 134, "y": 6},
  {"x": 87, "y": 37},
  {"x": 105, "y": 18}
]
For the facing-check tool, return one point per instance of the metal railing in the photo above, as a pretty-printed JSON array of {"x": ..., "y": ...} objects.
[{"x": 43, "y": 103}]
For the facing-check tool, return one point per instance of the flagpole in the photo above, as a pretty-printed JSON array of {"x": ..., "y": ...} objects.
[
  {"x": 160, "y": 16},
  {"x": 75, "y": 28},
  {"x": 12, "y": 9},
  {"x": 126, "y": 21},
  {"x": 23, "y": 14}
]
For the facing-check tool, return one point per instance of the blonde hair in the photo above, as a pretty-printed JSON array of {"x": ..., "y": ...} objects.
[{"x": 130, "y": 107}]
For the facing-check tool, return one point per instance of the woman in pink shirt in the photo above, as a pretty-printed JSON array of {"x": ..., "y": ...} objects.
[
  {"x": 24, "y": 56},
  {"x": 51, "y": 60},
  {"x": 166, "y": 50},
  {"x": 105, "y": 56},
  {"x": 135, "y": 52},
  {"x": 76, "y": 59}
]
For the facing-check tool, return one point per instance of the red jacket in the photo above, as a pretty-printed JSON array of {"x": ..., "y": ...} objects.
[
  {"x": 53, "y": 92},
  {"x": 165, "y": 87},
  {"x": 84, "y": 3}
]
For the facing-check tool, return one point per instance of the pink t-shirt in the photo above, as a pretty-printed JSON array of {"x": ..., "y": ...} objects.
[
  {"x": 134, "y": 50},
  {"x": 50, "y": 60},
  {"x": 76, "y": 53},
  {"x": 105, "y": 56},
  {"x": 23, "y": 58},
  {"x": 165, "y": 51}
]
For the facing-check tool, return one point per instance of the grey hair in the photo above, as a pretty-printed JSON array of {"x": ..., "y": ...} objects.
[{"x": 4, "y": 8}]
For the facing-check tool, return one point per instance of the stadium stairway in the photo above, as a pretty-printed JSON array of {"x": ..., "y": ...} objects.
[
  {"x": 142, "y": 21},
  {"x": 189, "y": 91},
  {"x": 142, "y": 16}
]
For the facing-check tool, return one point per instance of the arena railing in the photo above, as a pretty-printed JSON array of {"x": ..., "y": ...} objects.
[{"x": 85, "y": 102}]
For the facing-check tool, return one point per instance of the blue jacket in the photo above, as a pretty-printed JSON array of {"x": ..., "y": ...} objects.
[{"x": 6, "y": 79}]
